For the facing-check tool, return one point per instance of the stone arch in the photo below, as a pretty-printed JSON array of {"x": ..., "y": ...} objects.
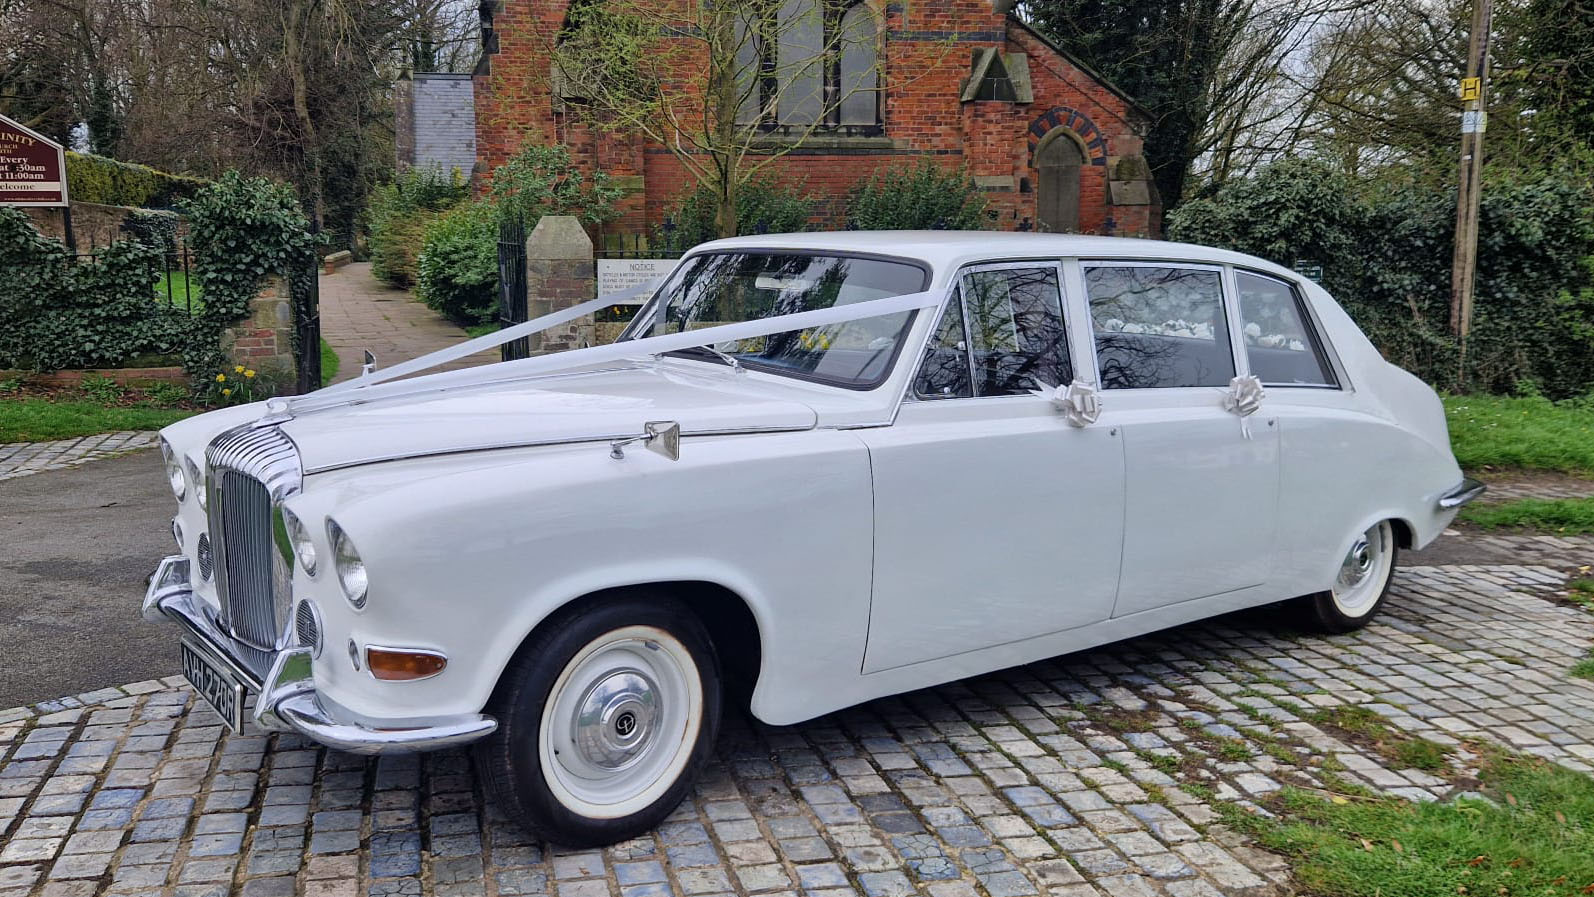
[{"x": 1092, "y": 142}]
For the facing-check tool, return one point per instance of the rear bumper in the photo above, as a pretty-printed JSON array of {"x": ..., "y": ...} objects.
[
  {"x": 1467, "y": 490},
  {"x": 287, "y": 699}
]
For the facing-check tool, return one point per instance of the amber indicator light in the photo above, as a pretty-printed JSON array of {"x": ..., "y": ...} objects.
[{"x": 395, "y": 665}]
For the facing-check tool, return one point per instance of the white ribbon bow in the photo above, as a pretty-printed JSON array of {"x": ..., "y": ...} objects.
[
  {"x": 1078, "y": 401},
  {"x": 1244, "y": 398}
]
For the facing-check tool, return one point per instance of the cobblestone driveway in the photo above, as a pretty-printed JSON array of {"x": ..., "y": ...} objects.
[{"x": 1060, "y": 778}]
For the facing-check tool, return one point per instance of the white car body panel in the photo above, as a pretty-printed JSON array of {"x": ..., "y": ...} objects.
[{"x": 853, "y": 524}]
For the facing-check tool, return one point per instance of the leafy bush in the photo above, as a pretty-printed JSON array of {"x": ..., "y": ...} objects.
[
  {"x": 98, "y": 179},
  {"x": 1385, "y": 250},
  {"x": 57, "y": 312},
  {"x": 544, "y": 180},
  {"x": 921, "y": 197},
  {"x": 241, "y": 231},
  {"x": 458, "y": 266},
  {"x": 765, "y": 205},
  {"x": 398, "y": 217}
]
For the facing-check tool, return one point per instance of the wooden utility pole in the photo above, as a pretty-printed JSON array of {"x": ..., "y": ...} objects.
[{"x": 1474, "y": 118}]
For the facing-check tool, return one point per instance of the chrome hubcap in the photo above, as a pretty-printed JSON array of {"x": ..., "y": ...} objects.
[
  {"x": 615, "y": 719},
  {"x": 620, "y": 722},
  {"x": 1357, "y": 564}
]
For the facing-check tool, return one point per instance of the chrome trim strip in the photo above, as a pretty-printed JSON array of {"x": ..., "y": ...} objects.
[
  {"x": 288, "y": 700},
  {"x": 535, "y": 443},
  {"x": 1466, "y": 491}
]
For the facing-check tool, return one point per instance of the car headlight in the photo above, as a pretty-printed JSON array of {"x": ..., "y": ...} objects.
[
  {"x": 198, "y": 479},
  {"x": 299, "y": 541},
  {"x": 174, "y": 470},
  {"x": 346, "y": 561}
]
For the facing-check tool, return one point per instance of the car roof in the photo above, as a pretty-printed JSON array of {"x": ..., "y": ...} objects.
[{"x": 945, "y": 249}]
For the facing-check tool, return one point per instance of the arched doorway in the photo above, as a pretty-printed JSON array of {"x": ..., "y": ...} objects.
[{"x": 1058, "y": 159}]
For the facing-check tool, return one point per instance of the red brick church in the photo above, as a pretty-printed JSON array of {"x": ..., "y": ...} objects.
[{"x": 1054, "y": 146}]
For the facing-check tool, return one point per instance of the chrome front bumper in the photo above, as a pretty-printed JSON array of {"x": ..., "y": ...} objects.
[
  {"x": 1468, "y": 490},
  {"x": 287, "y": 700}
]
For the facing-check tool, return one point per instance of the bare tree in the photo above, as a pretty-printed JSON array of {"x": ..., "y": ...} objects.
[{"x": 728, "y": 86}]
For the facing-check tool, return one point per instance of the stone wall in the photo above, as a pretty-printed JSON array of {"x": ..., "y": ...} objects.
[
  {"x": 93, "y": 225},
  {"x": 265, "y": 340},
  {"x": 435, "y": 121},
  {"x": 560, "y": 272}
]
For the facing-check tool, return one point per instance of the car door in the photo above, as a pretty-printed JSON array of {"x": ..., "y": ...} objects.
[
  {"x": 1201, "y": 483},
  {"x": 995, "y": 521}
]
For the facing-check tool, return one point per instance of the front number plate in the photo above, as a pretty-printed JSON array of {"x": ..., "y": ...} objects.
[{"x": 220, "y": 690}]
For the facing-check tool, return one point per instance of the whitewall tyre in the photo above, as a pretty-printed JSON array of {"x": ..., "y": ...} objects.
[
  {"x": 1361, "y": 583},
  {"x": 605, "y": 716}
]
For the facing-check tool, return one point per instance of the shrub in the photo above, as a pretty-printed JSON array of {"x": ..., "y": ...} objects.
[
  {"x": 1385, "y": 250},
  {"x": 458, "y": 266},
  {"x": 921, "y": 197},
  {"x": 764, "y": 206},
  {"x": 98, "y": 179},
  {"x": 456, "y": 269},
  {"x": 241, "y": 231},
  {"x": 57, "y": 312},
  {"x": 398, "y": 217},
  {"x": 543, "y": 180}
]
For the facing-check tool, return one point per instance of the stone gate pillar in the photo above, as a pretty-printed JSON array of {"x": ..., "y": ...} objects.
[{"x": 560, "y": 272}]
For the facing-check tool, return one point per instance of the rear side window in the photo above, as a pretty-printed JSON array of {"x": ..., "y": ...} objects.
[
  {"x": 1159, "y": 327},
  {"x": 1280, "y": 346},
  {"x": 1002, "y": 334}
]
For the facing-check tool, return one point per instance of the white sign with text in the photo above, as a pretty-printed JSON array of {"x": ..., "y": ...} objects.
[{"x": 619, "y": 275}]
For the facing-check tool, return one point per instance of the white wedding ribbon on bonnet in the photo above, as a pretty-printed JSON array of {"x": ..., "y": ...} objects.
[
  {"x": 1244, "y": 398},
  {"x": 380, "y": 384}
]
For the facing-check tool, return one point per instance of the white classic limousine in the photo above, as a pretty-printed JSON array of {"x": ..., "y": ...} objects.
[{"x": 827, "y": 466}]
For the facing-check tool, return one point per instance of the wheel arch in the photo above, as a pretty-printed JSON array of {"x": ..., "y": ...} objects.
[{"x": 732, "y": 625}]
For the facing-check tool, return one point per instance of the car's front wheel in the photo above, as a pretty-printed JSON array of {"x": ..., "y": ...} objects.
[
  {"x": 1361, "y": 585},
  {"x": 604, "y": 718}
]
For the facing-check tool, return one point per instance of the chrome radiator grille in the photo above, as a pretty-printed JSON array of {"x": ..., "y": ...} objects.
[{"x": 251, "y": 468}]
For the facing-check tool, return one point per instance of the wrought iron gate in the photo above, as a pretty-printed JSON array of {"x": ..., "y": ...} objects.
[
  {"x": 512, "y": 285},
  {"x": 307, "y": 326}
]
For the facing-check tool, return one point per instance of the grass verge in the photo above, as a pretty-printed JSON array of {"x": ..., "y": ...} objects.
[
  {"x": 1533, "y": 835},
  {"x": 39, "y": 420},
  {"x": 329, "y": 363},
  {"x": 1561, "y": 515},
  {"x": 1537, "y": 434}
]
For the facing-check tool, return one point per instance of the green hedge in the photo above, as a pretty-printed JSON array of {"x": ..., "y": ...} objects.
[
  {"x": 918, "y": 197},
  {"x": 57, "y": 312},
  {"x": 399, "y": 215},
  {"x": 109, "y": 182},
  {"x": 1384, "y": 246}
]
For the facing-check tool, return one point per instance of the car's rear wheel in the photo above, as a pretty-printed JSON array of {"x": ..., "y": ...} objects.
[
  {"x": 1361, "y": 585},
  {"x": 605, "y": 717}
]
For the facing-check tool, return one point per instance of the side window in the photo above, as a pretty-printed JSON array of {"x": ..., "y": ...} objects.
[
  {"x": 1016, "y": 330},
  {"x": 1281, "y": 349},
  {"x": 1009, "y": 336},
  {"x": 1159, "y": 327},
  {"x": 945, "y": 372}
]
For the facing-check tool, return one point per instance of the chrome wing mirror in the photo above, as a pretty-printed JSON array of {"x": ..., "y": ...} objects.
[
  {"x": 368, "y": 367},
  {"x": 661, "y": 437}
]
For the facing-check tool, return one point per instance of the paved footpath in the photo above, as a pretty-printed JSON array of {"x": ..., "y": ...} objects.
[
  {"x": 18, "y": 459},
  {"x": 1090, "y": 774},
  {"x": 359, "y": 312}
]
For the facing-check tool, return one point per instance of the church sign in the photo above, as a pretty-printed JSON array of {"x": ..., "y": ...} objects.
[{"x": 32, "y": 167}]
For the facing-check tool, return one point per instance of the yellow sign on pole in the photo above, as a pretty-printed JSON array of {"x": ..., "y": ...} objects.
[{"x": 1471, "y": 88}]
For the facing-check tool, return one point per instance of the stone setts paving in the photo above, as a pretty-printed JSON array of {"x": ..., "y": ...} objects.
[
  {"x": 1093, "y": 774},
  {"x": 18, "y": 459}
]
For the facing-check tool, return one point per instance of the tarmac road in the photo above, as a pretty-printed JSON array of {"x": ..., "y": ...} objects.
[{"x": 75, "y": 548}]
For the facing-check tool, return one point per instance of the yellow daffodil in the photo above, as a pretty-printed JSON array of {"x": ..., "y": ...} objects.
[
  {"x": 221, "y": 378},
  {"x": 238, "y": 369},
  {"x": 226, "y": 392},
  {"x": 249, "y": 373}
]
